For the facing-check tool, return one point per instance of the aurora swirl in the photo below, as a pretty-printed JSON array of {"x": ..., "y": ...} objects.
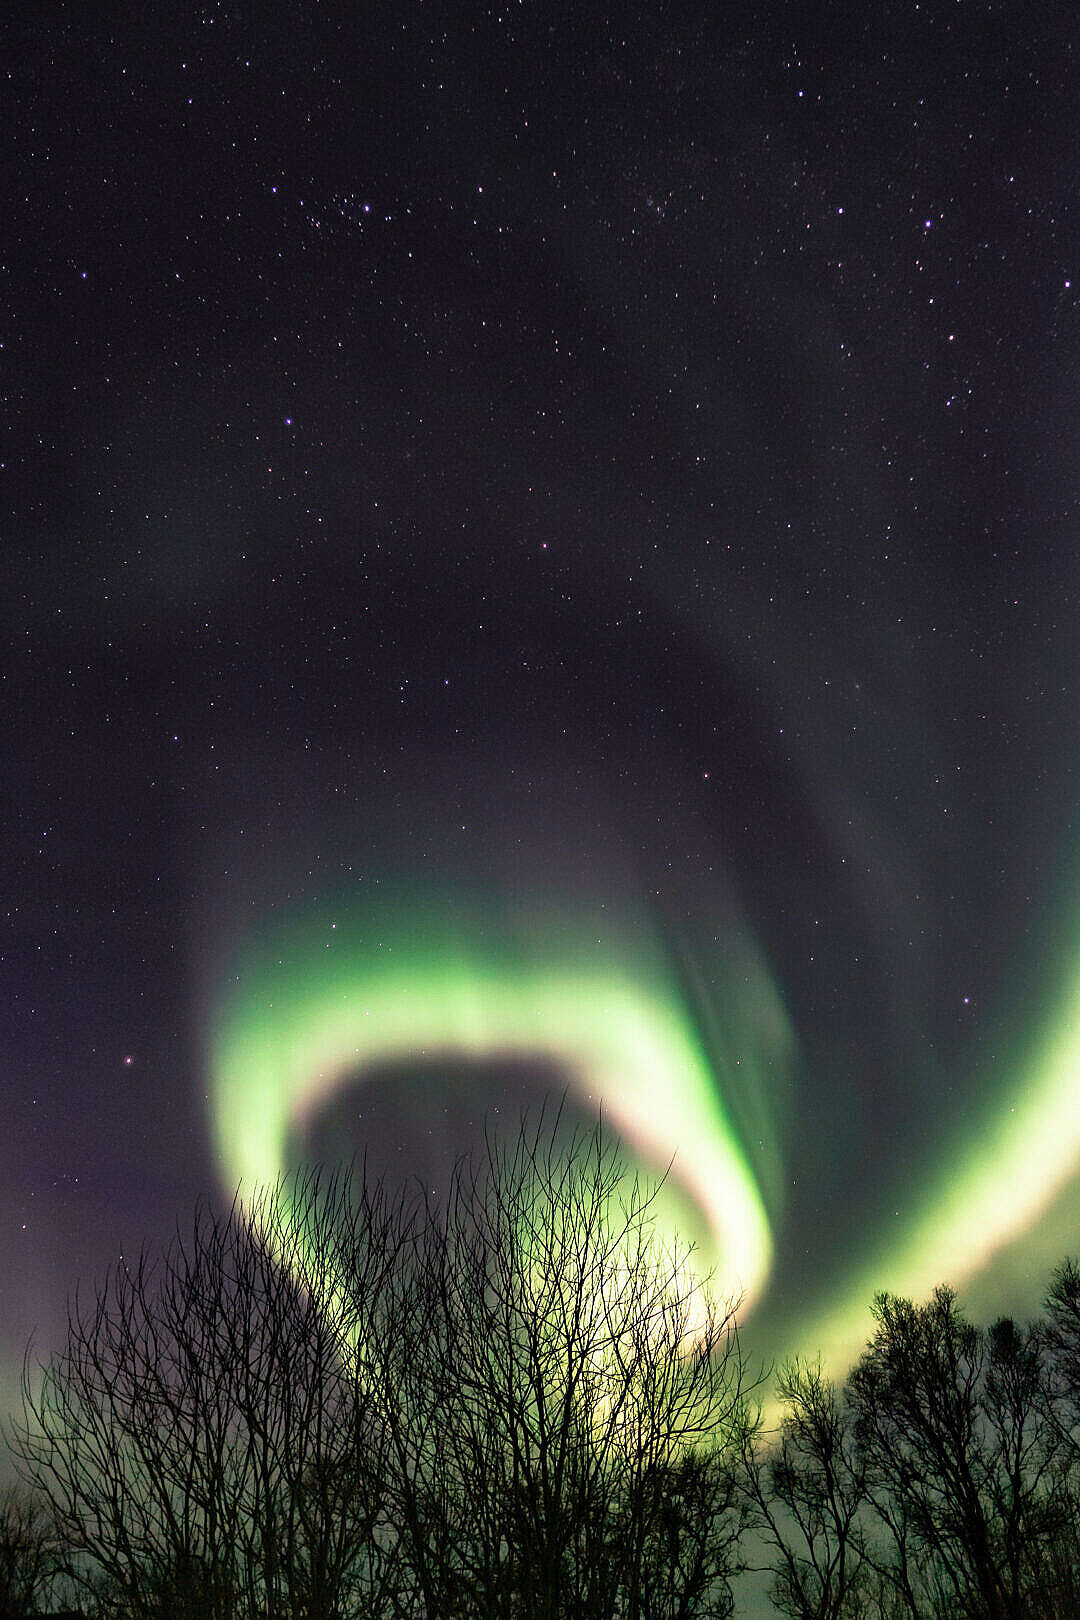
[
  {"x": 326, "y": 1001},
  {"x": 335, "y": 1000}
]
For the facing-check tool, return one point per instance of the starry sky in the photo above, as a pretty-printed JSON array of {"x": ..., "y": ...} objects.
[{"x": 540, "y": 556}]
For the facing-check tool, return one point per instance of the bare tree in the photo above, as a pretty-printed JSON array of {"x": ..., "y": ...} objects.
[
  {"x": 808, "y": 1492},
  {"x": 941, "y": 1485},
  {"x": 961, "y": 1469},
  {"x": 568, "y": 1422},
  {"x": 192, "y": 1439},
  {"x": 29, "y": 1556},
  {"x": 517, "y": 1404},
  {"x": 1060, "y": 1550}
]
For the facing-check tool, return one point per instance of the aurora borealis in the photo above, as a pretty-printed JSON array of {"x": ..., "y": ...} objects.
[
  {"x": 539, "y": 558},
  {"x": 619, "y": 1037},
  {"x": 614, "y": 1029}
]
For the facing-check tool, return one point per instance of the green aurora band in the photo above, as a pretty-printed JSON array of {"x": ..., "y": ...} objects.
[
  {"x": 328, "y": 1004},
  {"x": 325, "y": 1003},
  {"x": 974, "y": 1207}
]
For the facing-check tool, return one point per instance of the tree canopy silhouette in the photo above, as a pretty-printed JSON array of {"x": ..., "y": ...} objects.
[
  {"x": 942, "y": 1482},
  {"x": 341, "y": 1400}
]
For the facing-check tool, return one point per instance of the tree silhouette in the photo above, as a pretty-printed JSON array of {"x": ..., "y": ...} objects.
[
  {"x": 185, "y": 1437},
  {"x": 337, "y": 1401},
  {"x": 961, "y": 1469},
  {"x": 563, "y": 1400},
  {"x": 29, "y": 1556},
  {"x": 809, "y": 1498},
  {"x": 941, "y": 1483}
]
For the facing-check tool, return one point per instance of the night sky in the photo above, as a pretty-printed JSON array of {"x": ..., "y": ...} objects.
[{"x": 539, "y": 554}]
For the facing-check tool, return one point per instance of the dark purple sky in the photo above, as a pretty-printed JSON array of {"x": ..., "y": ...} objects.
[{"x": 647, "y": 445}]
